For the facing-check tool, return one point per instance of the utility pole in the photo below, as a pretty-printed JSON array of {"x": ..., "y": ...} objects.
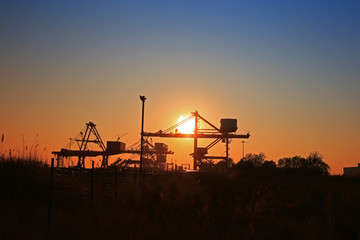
[{"x": 142, "y": 98}]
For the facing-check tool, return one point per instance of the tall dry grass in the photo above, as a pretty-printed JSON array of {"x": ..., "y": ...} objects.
[{"x": 251, "y": 204}]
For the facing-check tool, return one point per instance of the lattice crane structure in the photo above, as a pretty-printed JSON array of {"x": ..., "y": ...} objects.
[
  {"x": 224, "y": 133},
  {"x": 91, "y": 135}
]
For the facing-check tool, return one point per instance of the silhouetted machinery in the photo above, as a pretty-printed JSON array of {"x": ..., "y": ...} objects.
[
  {"x": 226, "y": 131},
  {"x": 156, "y": 155}
]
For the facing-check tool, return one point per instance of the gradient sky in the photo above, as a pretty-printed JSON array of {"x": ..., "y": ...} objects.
[{"x": 287, "y": 70}]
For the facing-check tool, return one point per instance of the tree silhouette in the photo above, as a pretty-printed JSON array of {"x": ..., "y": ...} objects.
[
  {"x": 313, "y": 162},
  {"x": 206, "y": 164},
  {"x": 268, "y": 164},
  {"x": 292, "y": 162},
  {"x": 252, "y": 160},
  {"x": 223, "y": 164}
]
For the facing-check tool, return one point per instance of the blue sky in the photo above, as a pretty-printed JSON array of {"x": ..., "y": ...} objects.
[{"x": 312, "y": 36}]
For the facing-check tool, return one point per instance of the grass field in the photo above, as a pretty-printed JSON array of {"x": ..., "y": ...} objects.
[{"x": 235, "y": 204}]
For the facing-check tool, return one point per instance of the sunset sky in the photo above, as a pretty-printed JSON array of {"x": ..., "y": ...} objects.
[{"x": 287, "y": 70}]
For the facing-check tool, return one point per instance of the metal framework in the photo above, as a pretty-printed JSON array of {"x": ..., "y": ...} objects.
[
  {"x": 84, "y": 151},
  {"x": 153, "y": 156},
  {"x": 213, "y": 132},
  {"x": 83, "y": 144}
]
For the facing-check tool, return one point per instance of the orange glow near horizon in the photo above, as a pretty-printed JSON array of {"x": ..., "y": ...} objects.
[{"x": 21, "y": 138}]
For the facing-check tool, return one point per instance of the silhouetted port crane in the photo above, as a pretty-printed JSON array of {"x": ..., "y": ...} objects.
[
  {"x": 91, "y": 135},
  {"x": 224, "y": 133},
  {"x": 83, "y": 144}
]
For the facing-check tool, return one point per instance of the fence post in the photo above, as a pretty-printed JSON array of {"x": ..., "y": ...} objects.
[
  {"x": 92, "y": 183},
  {"x": 50, "y": 194},
  {"x": 135, "y": 174},
  {"x": 116, "y": 184}
]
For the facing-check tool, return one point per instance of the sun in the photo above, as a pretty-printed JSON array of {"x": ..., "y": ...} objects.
[{"x": 187, "y": 127}]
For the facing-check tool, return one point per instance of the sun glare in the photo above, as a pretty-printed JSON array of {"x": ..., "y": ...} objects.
[{"x": 187, "y": 127}]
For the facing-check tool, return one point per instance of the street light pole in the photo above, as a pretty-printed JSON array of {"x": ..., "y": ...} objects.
[{"x": 142, "y": 98}]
